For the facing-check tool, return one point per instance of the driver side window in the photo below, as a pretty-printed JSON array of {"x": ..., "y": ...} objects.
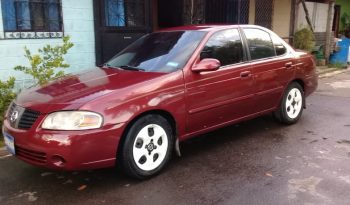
[{"x": 225, "y": 46}]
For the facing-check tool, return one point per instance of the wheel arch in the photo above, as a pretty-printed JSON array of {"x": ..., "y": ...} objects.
[
  {"x": 299, "y": 81},
  {"x": 296, "y": 80},
  {"x": 302, "y": 84},
  {"x": 167, "y": 115}
]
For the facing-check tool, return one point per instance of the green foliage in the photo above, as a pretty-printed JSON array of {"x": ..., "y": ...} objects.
[
  {"x": 304, "y": 39},
  {"x": 6, "y": 96},
  {"x": 337, "y": 65},
  {"x": 44, "y": 65},
  {"x": 345, "y": 20}
]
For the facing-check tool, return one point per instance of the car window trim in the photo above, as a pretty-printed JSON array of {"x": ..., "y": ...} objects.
[{"x": 232, "y": 65}]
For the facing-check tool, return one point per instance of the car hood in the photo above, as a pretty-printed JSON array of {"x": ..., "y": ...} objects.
[{"x": 73, "y": 91}]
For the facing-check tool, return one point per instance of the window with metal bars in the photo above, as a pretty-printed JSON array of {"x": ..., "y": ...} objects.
[
  {"x": 124, "y": 13},
  {"x": 264, "y": 13},
  {"x": 227, "y": 11},
  {"x": 31, "y": 15}
]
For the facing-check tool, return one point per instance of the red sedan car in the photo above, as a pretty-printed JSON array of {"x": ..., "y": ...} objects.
[{"x": 166, "y": 87}]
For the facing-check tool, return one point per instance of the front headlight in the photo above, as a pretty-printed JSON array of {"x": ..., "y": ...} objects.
[{"x": 72, "y": 120}]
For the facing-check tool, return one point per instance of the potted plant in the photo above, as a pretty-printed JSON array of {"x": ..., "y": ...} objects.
[{"x": 304, "y": 39}]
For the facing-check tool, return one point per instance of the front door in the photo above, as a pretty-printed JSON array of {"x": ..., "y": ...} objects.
[
  {"x": 118, "y": 23},
  {"x": 222, "y": 96}
]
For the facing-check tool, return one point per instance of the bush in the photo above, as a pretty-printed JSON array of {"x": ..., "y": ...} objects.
[
  {"x": 304, "y": 39},
  {"x": 43, "y": 66},
  {"x": 6, "y": 96}
]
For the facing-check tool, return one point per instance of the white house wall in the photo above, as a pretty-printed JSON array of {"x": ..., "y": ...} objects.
[
  {"x": 281, "y": 18},
  {"x": 78, "y": 22},
  {"x": 318, "y": 15}
]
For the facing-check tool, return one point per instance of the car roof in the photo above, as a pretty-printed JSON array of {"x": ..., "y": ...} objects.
[{"x": 206, "y": 27}]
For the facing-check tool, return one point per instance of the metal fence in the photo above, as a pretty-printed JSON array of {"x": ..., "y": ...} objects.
[{"x": 229, "y": 11}]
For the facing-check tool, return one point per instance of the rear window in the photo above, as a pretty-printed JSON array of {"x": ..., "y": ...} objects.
[{"x": 279, "y": 47}]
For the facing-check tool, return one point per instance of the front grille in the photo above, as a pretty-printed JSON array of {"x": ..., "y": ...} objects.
[
  {"x": 30, "y": 155},
  {"x": 28, "y": 119},
  {"x": 25, "y": 118}
]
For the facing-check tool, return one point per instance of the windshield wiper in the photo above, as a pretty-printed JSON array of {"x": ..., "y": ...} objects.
[
  {"x": 106, "y": 65},
  {"x": 128, "y": 67},
  {"x": 124, "y": 67}
]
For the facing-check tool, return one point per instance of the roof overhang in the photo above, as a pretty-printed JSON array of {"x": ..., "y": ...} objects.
[{"x": 321, "y": 1}]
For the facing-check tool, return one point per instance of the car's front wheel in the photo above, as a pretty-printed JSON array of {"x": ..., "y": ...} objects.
[
  {"x": 292, "y": 104},
  {"x": 147, "y": 147}
]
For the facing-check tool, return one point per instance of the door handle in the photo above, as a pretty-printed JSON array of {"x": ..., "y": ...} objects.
[
  {"x": 245, "y": 74},
  {"x": 289, "y": 65}
]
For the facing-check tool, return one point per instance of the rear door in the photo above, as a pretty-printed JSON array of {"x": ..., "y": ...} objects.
[
  {"x": 217, "y": 97},
  {"x": 272, "y": 67}
]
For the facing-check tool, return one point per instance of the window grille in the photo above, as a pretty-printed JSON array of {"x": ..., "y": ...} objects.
[
  {"x": 264, "y": 12},
  {"x": 32, "y": 18},
  {"x": 227, "y": 11},
  {"x": 124, "y": 13}
]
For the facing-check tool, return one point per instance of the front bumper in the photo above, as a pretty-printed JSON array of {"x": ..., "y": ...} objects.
[{"x": 66, "y": 150}]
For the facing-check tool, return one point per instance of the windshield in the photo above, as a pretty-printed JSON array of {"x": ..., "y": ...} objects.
[{"x": 158, "y": 52}]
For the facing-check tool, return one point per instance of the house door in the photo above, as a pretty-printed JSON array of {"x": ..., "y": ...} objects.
[
  {"x": 169, "y": 13},
  {"x": 118, "y": 23}
]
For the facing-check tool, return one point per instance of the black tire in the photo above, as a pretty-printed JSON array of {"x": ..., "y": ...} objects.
[
  {"x": 131, "y": 166},
  {"x": 283, "y": 114}
]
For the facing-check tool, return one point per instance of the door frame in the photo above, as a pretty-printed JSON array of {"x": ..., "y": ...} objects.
[{"x": 99, "y": 28}]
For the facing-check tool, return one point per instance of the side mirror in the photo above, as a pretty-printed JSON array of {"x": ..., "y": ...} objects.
[{"x": 207, "y": 65}]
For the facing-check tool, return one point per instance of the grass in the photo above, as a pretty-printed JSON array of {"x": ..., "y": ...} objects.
[{"x": 337, "y": 65}]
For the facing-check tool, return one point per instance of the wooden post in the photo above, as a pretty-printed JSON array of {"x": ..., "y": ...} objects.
[
  {"x": 294, "y": 19},
  {"x": 329, "y": 37},
  {"x": 307, "y": 16}
]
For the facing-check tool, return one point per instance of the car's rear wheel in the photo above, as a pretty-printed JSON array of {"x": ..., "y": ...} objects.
[
  {"x": 147, "y": 147},
  {"x": 292, "y": 104}
]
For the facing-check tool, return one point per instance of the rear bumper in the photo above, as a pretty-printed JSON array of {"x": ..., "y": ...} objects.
[
  {"x": 311, "y": 84},
  {"x": 67, "y": 150}
]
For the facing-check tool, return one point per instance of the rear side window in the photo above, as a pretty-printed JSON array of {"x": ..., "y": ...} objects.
[
  {"x": 260, "y": 44},
  {"x": 225, "y": 46},
  {"x": 279, "y": 47}
]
